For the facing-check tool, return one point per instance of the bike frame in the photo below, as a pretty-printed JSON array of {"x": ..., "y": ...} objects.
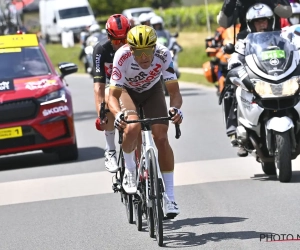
[{"x": 148, "y": 144}]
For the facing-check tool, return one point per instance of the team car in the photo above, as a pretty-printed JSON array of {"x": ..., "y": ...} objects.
[{"x": 36, "y": 110}]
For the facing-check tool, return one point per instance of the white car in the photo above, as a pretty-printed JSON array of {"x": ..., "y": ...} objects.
[{"x": 134, "y": 13}]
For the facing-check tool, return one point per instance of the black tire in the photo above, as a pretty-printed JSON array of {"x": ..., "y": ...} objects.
[
  {"x": 125, "y": 198},
  {"x": 138, "y": 215},
  {"x": 155, "y": 192},
  {"x": 68, "y": 153},
  {"x": 129, "y": 208},
  {"x": 150, "y": 222},
  {"x": 283, "y": 156},
  {"x": 269, "y": 168}
]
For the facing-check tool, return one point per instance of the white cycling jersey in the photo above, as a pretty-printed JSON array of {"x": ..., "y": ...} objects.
[{"x": 127, "y": 73}]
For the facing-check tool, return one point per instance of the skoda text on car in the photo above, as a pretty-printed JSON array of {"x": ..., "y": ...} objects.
[{"x": 36, "y": 110}]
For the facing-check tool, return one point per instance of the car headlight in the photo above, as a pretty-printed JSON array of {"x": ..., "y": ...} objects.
[
  {"x": 287, "y": 88},
  {"x": 55, "y": 96}
]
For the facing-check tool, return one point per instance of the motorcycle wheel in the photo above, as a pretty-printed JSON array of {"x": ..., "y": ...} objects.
[
  {"x": 269, "y": 168},
  {"x": 283, "y": 156}
]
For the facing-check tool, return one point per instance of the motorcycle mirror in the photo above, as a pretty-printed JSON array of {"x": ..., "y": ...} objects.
[
  {"x": 229, "y": 48},
  {"x": 176, "y": 35}
]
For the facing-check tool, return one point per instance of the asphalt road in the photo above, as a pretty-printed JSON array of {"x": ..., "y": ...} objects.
[{"x": 226, "y": 202}]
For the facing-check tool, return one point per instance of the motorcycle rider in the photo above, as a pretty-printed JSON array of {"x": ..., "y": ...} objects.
[
  {"x": 259, "y": 18},
  {"x": 117, "y": 27},
  {"x": 145, "y": 18},
  {"x": 233, "y": 9},
  {"x": 95, "y": 35},
  {"x": 295, "y": 18},
  {"x": 164, "y": 37},
  {"x": 137, "y": 69},
  {"x": 158, "y": 24}
]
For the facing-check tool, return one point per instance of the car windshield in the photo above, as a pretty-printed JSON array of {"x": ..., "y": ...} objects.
[
  {"x": 74, "y": 12},
  {"x": 22, "y": 62},
  {"x": 273, "y": 52},
  {"x": 137, "y": 14}
]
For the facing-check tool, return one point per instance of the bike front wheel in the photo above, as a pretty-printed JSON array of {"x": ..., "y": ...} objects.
[
  {"x": 125, "y": 198},
  {"x": 156, "y": 197}
]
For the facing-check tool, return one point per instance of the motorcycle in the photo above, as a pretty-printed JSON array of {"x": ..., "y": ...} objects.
[
  {"x": 89, "y": 49},
  {"x": 268, "y": 101},
  {"x": 171, "y": 43}
]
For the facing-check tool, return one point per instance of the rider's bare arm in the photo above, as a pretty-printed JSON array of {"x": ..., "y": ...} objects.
[
  {"x": 99, "y": 94},
  {"x": 175, "y": 95},
  {"x": 113, "y": 100}
]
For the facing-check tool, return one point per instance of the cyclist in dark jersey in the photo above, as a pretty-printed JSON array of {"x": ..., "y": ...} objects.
[{"x": 117, "y": 27}]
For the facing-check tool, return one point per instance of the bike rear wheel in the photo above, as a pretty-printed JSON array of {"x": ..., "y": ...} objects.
[{"x": 156, "y": 197}]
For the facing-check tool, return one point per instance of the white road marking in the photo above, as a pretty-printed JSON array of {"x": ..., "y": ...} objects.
[{"x": 78, "y": 185}]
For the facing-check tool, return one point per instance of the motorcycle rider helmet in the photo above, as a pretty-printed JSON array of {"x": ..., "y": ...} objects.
[
  {"x": 94, "y": 28},
  {"x": 117, "y": 26},
  {"x": 157, "y": 22},
  {"x": 143, "y": 18},
  {"x": 141, "y": 36},
  {"x": 259, "y": 11},
  {"x": 295, "y": 18}
]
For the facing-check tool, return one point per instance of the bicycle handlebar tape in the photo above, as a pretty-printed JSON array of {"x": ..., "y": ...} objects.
[
  {"x": 102, "y": 111},
  {"x": 121, "y": 131},
  {"x": 177, "y": 128},
  {"x": 120, "y": 137},
  {"x": 178, "y": 132}
]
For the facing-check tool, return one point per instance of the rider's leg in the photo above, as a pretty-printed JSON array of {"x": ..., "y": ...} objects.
[
  {"x": 155, "y": 106},
  {"x": 110, "y": 149},
  {"x": 130, "y": 140}
]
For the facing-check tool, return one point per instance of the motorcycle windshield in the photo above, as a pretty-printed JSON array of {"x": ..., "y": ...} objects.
[
  {"x": 272, "y": 51},
  {"x": 162, "y": 38}
]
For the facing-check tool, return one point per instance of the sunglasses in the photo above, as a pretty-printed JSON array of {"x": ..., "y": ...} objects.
[
  {"x": 117, "y": 42},
  {"x": 145, "y": 51}
]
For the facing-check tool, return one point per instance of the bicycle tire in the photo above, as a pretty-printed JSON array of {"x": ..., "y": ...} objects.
[
  {"x": 129, "y": 208},
  {"x": 150, "y": 222},
  {"x": 138, "y": 215},
  {"x": 125, "y": 198},
  {"x": 138, "y": 206},
  {"x": 155, "y": 191}
]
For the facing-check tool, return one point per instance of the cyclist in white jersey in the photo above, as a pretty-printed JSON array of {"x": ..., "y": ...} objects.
[{"x": 135, "y": 79}]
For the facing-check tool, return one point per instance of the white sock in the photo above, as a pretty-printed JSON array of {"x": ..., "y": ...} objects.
[
  {"x": 110, "y": 140},
  {"x": 129, "y": 161},
  {"x": 169, "y": 184}
]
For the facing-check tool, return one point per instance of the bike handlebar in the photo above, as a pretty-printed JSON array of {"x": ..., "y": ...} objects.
[{"x": 147, "y": 121}]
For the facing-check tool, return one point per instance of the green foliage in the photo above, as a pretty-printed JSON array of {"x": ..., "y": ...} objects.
[
  {"x": 192, "y": 57},
  {"x": 109, "y": 7},
  {"x": 182, "y": 17}
]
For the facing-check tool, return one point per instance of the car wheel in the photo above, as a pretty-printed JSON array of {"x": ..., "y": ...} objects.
[{"x": 68, "y": 153}]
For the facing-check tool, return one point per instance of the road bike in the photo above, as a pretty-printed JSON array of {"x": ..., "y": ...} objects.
[{"x": 148, "y": 201}]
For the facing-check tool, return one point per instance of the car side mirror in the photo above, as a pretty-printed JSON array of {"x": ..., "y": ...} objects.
[
  {"x": 54, "y": 20},
  {"x": 229, "y": 48},
  {"x": 67, "y": 69}
]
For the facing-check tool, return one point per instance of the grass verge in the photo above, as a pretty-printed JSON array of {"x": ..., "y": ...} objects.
[{"x": 195, "y": 78}]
